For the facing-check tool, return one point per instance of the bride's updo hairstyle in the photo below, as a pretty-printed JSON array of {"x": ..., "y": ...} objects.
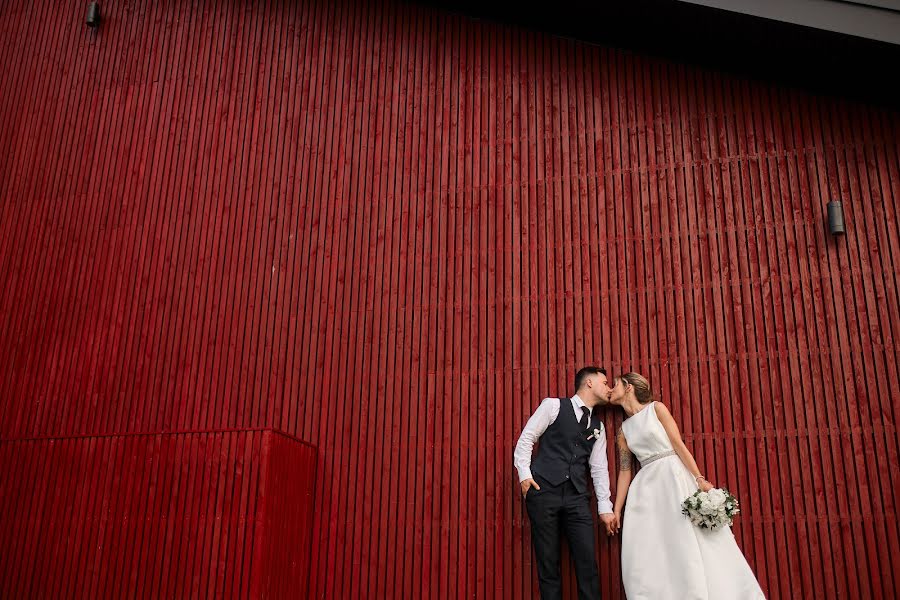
[{"x": 641, "y": 387}]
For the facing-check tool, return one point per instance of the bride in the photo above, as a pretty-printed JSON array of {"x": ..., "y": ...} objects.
[{"x": 663, "y": 554}]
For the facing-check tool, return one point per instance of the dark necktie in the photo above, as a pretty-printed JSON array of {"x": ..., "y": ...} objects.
[{"x": 585, "y": 417}]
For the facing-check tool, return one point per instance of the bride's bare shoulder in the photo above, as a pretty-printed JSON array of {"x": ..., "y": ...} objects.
[{"x": 661, "y": 409}]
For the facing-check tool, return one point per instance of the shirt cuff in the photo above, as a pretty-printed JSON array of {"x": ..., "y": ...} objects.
[
  {"x": 604, "y": 507},
  {"x": 524, "y": 473}
]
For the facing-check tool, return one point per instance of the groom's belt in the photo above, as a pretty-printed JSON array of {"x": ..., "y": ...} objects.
[{"x": 658, "y": 456}]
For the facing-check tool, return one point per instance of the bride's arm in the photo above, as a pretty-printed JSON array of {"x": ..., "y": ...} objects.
[
  {"x": 668, "y": 423},
  {"x": 624, "y": 479}
]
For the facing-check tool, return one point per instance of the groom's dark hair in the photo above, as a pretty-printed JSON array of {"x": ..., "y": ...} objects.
[{"x": 584, "y": 373}]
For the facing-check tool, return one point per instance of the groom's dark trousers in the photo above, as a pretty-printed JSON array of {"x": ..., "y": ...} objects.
[{"x": 562, "y": 510}]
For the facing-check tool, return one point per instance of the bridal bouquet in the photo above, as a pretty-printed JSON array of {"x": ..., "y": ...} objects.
[{"x": 712, "y": 509}]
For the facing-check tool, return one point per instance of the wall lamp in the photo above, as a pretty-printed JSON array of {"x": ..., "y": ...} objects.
[
  {"x": 835, "y": 218},
  {"x": 93, "y": 15}
]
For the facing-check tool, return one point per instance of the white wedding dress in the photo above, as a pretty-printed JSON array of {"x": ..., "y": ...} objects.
[{"x": 663, "y": 554}]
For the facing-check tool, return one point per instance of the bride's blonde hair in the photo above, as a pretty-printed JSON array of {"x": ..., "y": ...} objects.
[{"x": 641, "y": 386}]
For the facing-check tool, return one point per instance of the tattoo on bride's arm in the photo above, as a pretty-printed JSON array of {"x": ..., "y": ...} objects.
[
  {"x": 625, "y": 455},
  {"x": 624, "y": 459}
]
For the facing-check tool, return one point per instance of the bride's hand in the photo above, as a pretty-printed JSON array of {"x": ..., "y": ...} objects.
[
  {"x": 704, "y": 485},
  {"x": 609, "y": 520}
]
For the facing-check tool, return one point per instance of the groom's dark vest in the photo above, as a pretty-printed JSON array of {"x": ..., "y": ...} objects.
[{"x": 564, "y": 449}]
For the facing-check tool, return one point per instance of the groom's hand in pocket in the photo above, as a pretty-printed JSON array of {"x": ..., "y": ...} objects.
[{"x": 529, "y": 483}]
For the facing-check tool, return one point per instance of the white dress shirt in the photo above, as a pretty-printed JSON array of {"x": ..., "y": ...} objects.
[{"x": 542, "y": 418}]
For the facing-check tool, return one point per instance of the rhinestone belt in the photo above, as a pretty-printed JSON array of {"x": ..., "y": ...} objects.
[{"x": 649, "y": 460}]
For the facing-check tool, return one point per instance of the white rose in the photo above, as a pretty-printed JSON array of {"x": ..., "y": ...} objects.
[
  {"x": 707, "y": 508},
  {"x": 716, "y": 496}
]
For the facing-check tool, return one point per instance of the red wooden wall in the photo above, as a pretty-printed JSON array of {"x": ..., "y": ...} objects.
[
  {"x": 224, "y": 513},
  {"x": 391, "y": 232}
]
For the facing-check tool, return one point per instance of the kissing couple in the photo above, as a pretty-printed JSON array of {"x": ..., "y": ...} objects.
[{"x": 664, "y": 555}]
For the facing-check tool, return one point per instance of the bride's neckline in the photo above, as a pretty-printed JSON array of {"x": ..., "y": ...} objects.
[{"x": 640, "y": 411}]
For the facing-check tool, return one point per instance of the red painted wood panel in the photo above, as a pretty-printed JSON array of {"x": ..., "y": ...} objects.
[
  {"x": 172, "y": 514},
  {"x": 391, "y": 231}
]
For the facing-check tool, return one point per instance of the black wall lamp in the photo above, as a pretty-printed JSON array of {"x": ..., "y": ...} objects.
[
  {"x": 835, "y": 218},
  {"x": 93, "y": 14}
]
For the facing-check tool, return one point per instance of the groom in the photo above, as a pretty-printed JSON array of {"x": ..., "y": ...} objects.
[{"x": 555, "y": 487}]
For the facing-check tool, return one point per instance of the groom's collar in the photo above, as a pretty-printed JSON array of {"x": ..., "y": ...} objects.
[{"x": 578, "y": 401}]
